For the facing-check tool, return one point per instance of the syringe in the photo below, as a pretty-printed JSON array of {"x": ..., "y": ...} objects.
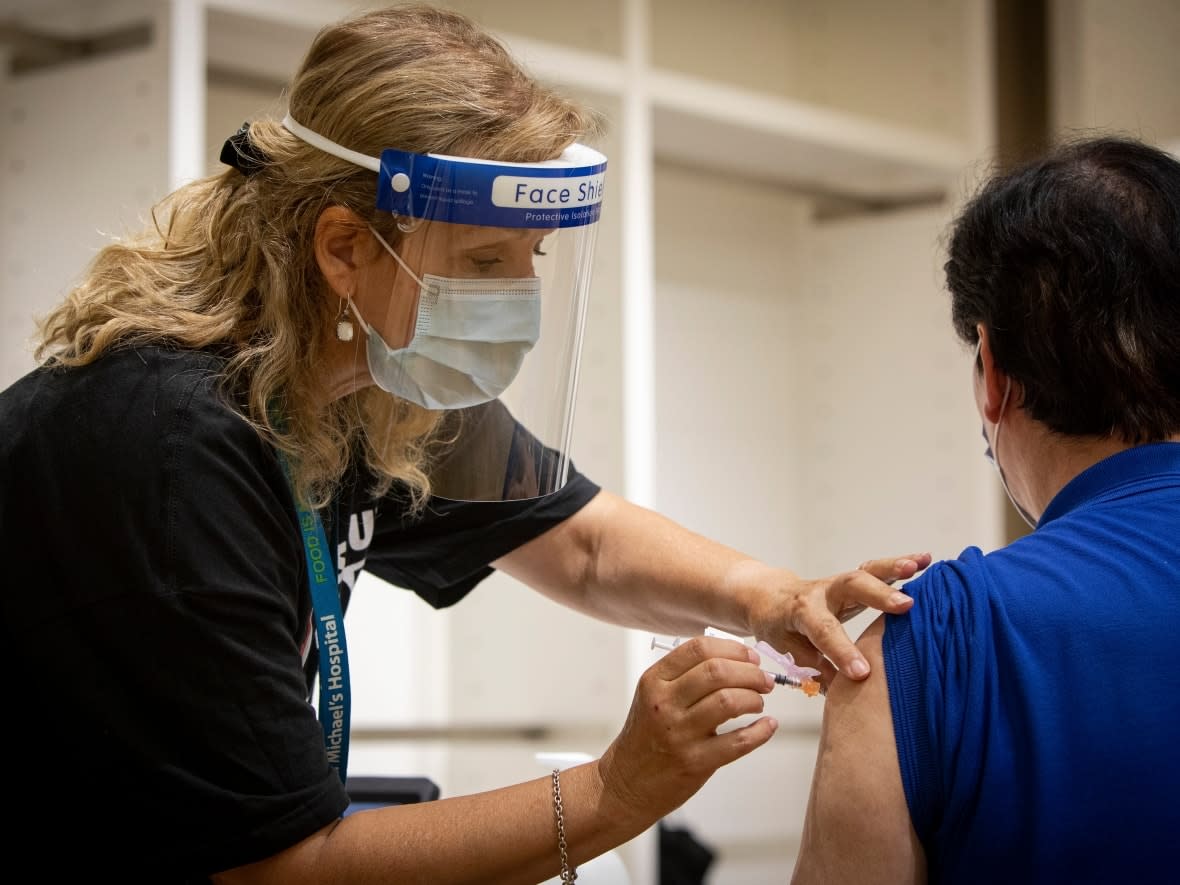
[{"x": 808, "y": 686}]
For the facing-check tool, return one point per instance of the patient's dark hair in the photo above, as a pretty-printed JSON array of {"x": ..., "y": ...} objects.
[{"x": 1072, "y": 264}]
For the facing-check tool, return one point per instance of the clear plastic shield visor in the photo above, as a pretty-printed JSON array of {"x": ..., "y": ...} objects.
[
  {"x": 490, "y": 272},
  {"x": 487, "y": 328}
]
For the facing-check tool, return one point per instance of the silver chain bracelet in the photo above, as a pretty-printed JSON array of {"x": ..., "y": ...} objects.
[{"x": 567, "y": 875}]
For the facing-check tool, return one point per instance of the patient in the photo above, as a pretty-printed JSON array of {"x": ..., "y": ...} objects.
[{"x": 1023, "y": 722}]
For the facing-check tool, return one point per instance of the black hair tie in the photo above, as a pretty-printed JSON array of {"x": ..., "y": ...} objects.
[{"x": 241, "y": 153}]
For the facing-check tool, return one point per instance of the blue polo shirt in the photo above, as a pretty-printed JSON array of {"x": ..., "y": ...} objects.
[{"x": 1035, "y": 690}]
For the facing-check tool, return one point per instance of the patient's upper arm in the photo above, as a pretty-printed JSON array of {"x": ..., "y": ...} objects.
[{"x": 858, "y": 825}]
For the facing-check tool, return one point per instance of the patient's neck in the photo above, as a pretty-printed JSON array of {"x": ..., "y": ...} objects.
[{"x": 1038, "y": 463}]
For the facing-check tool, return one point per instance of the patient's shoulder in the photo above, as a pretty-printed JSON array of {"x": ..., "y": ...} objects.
[{"x": 857, "y": 827}]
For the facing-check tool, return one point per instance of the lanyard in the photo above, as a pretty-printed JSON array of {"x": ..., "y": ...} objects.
[{"x": 335, "y": 694}]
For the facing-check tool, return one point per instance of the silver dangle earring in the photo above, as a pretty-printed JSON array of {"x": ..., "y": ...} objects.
[{"x": 344, "y": 327}]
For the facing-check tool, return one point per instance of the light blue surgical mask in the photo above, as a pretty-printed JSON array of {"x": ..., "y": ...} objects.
[{"x": 470, "y": 338}]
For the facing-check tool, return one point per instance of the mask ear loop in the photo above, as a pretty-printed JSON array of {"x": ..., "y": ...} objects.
[
  {"x": 1003, "y": 406},
  {"x": 357, "y": 315},
  {"x": 993, "y": 448},
  {"x": 1024, "y": 514},
  {"x": 994, "y": 445},
  {"x": 425, "y": 305},
  {"x": 396, "y": 257}
]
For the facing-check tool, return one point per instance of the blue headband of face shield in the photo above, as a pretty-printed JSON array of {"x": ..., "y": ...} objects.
[{"x": 559, "y": 193}]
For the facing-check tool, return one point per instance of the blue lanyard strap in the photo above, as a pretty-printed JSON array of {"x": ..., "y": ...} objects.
[{"x": 335, "y": 693}]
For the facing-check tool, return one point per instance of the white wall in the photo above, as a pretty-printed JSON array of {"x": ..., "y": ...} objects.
[
  {"x": 1114, "y": 67},
  {"x": 82, "y": 158},
  {"x": 898, "y": 62},
  {"x": 814, "y": 411}
]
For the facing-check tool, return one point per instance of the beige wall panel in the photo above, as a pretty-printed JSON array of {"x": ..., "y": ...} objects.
[
  {"x": 902, "y": 62},
  {"x": 1115, "y": 67},
  {"x": 894, "y": 458},
  {"x": 83, "y": 157},
  {"x": 814, "y": 410},
  {"x": 590, "y": 27},
  {"x": 726, "y": 258}
]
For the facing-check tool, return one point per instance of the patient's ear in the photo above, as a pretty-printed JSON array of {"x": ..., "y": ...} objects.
[{"x": 995, "y": 380}]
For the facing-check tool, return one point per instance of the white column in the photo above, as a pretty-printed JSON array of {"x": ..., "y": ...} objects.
[
  {"x": 186, "y": 91},
  {"x": 979, "y": 58},
  {"x": 636, "y": 196},
  {"x": 639, "y": 431}
]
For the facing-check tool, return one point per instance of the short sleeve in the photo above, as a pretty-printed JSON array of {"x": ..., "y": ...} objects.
[
  {"x": 934, "y": 683},
  {"x": 164, "y": 630},
  {"x": 446, "y": 550}
]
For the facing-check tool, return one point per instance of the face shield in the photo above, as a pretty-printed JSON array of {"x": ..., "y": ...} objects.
[{"x": 485, "y": 319}]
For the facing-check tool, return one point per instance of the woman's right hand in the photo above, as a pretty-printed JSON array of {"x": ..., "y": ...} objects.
[{"x": 669, "y": 745}]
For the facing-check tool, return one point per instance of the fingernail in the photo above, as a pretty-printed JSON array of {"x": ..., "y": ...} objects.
[
  {"x": 753, "y": 656},
  {"x": 773, "y": 724},
  {"x": 769, "y": 679},
  {"x": 858, "y": 669},
  {"x": 900, "y": 599}
]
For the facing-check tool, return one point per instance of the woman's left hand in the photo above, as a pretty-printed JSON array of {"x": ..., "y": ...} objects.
[
  {"x": 805, "y": 617},
  {"x": 628, "y": 565}
]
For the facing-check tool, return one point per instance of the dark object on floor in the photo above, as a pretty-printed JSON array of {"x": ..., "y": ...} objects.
[{"x": 683, "y": 860}]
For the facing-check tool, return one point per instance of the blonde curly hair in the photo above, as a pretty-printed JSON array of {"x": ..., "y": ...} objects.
[{"x": 229, "y": 262}]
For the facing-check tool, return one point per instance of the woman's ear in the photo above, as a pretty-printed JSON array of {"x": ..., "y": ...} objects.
[
  {"x": 995, "y": 381},
  {"x": 340, "y": 243}
]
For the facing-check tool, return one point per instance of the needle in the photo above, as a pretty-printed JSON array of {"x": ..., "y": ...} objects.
[{"x": 779, "y": 678}]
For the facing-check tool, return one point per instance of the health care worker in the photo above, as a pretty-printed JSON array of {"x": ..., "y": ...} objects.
[{"x": 356, "y": 349}]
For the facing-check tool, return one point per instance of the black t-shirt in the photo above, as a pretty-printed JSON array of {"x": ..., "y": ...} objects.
[{"x": 157, "y": 621}]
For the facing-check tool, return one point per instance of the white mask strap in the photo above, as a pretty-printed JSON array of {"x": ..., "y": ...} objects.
[
  {"x": 1000, "y": 417},
  {"x": 356, "y": 313},
  {"x": 397, "y": 258},
  {"x": 380, "y": 239}
]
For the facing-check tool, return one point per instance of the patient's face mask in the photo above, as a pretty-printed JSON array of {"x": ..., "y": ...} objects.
[{"x": 470, "y": 338}]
